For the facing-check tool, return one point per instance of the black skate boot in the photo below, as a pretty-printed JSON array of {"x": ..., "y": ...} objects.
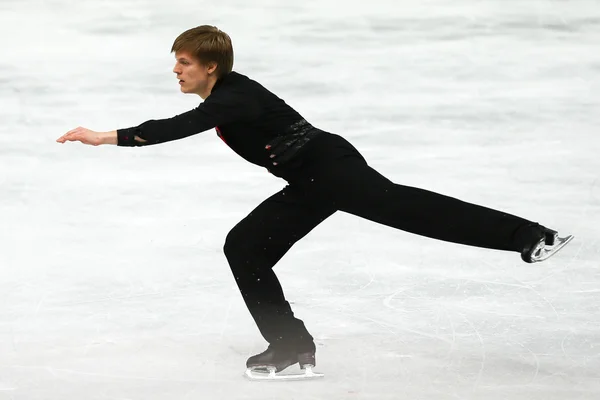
[
  {"x": 542, "y": 243},
  {"x": 272, "y": 358},
  {"x": 276, "y": 359}
]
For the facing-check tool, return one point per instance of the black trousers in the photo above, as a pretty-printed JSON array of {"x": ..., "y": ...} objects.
[{"x": 332, "y": 176}]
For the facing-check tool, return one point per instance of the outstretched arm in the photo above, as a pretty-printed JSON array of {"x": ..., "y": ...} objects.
[
  {"x": 87, "y": 136},
  {"x": 220, "y": 108}
]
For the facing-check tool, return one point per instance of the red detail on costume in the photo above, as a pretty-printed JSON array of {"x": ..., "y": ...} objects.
[{"x": 220, "y": 134}]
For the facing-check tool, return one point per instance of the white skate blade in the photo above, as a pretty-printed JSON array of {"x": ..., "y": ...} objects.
[
  {"x": 307, "y": 374},
  {"x": 545, "y": 252}
]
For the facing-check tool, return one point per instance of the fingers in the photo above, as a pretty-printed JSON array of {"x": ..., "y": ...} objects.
[{"x": 72, "y": 135}]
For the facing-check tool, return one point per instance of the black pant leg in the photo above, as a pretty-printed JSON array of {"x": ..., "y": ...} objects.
[
  {"x": 255, "y": 245},
  {"x": 343, "y": 178}
]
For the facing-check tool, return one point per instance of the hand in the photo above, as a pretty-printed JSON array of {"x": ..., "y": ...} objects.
[{"x": 87, "y": 136}]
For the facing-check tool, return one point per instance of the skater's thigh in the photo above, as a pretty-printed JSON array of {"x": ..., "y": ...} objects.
[
  {"x": 356, "y": 188},
  {"x": 280, "y": 221},
  {"x": 351, "y": 185}
]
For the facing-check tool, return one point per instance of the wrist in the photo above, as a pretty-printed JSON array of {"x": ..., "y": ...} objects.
[{"x": 109, "y": 137}]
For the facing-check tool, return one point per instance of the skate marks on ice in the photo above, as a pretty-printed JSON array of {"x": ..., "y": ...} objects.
[{"x": 484, "y": 325}]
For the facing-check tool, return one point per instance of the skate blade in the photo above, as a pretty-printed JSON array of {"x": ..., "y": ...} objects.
[
  {"x": 271, "y": 375},
  {"x": 546, "y": 252}
]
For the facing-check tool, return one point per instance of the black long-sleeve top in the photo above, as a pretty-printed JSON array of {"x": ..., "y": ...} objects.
[{"x": 245, "y": 115}]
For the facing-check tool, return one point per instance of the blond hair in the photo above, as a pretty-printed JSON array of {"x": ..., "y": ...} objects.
[{"x": 208, "y": 44}]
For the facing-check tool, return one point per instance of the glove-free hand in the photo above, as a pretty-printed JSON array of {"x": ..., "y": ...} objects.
[{"x": 87, "y": 136}]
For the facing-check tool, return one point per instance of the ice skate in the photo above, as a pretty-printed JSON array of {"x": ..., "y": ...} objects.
[
  {"x": 268, "y": 365},
  {"x": 548, "y": 244}
]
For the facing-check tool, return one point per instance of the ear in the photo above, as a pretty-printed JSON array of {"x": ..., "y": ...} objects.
[{"x": 211, "y": 67}]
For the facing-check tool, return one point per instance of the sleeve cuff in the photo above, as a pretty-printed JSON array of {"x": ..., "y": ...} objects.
[{"x": 126, "y": 137}]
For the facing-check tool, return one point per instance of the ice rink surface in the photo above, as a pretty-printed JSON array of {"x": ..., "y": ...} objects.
[{"x": 113, "y": 284}]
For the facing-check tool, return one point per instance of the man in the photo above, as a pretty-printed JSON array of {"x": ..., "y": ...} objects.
[{"x": 324, "y": 172}]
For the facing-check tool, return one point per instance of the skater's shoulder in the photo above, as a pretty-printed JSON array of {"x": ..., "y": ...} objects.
[
  {"x": 237, "y": 82},
  {"x": 243, "y": 79},
  {"x": 236, "y": 78}
]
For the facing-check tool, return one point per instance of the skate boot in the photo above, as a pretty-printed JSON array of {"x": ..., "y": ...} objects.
[
  {"x": 273, "y": 359},
  {"x": 268, "y": 364},
  {"x": 544, "y": 244}
]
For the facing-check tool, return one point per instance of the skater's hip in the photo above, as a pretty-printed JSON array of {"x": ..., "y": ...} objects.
[{"x": 322, "y": 152}]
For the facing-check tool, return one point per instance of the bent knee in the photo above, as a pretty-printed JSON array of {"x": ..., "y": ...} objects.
[
  {"x": 233, "y": 241},
  {"x": 240, "y": 241}
]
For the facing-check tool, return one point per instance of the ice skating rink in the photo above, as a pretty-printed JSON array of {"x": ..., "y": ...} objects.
[{"x": 113, "y": 284}]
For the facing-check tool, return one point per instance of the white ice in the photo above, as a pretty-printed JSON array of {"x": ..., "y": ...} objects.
[{"x": 113, "y": 284}]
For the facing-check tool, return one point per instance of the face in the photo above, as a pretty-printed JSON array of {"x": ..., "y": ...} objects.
[{"x": 194, "y": 77}]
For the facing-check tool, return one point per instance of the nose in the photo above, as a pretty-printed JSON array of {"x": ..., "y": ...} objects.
[{"x": 176, "y": 69}]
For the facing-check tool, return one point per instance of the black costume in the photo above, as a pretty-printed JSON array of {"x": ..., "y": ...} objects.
[{"x": 325, "y": 173}]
